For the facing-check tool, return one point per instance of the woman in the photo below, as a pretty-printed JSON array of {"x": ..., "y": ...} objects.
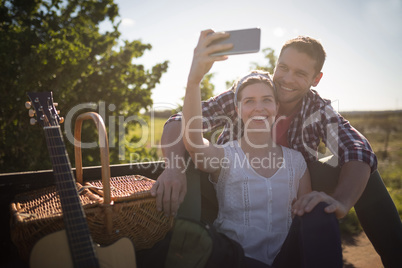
[{"x": 256, "y": 180}]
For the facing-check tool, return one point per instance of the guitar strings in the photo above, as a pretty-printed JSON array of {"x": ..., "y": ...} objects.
[{"x": 60, "y": 160}]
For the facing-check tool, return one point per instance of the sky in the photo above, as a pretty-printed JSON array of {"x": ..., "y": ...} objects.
[{"x": 362, "y": 39}]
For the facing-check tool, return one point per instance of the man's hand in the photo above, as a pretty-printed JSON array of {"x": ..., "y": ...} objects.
[
  {"x": 307, "y": 202},
  {"x": 170, "y": 190}
]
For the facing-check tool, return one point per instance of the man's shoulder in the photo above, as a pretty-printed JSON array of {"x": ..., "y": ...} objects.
[
  {"x": 226, "y": 94},
  {"x": 223, "y": 99},
  {"x": 314, "y": 103},
  {"x": 316, "y": 99}
]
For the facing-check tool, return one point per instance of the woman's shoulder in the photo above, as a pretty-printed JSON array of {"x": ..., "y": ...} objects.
[{"x": 296, "y": 161}]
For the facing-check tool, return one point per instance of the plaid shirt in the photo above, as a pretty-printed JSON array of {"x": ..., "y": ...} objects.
[{"x": 316, "y": 121}]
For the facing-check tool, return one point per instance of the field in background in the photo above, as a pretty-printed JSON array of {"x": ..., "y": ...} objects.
[
  {"x": 153, "y": 131},
  {"x": 384, "y": 132}
]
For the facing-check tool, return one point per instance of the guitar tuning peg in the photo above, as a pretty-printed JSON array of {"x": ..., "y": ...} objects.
[
  {"x": 31, "y": 113},
  {"x": 58, "y": 111},
  {"x": 55, "y": 104},
  {"x": 61, "y": 120},
  {"x": 32, "y": 121},
  {"x": 28, "y": 105}
]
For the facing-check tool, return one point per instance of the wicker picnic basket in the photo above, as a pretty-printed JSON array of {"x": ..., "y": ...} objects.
[{"x": 114, "y": 207}]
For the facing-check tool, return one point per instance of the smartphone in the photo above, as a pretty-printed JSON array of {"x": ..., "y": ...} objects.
[{"x": 244, "y": 41}]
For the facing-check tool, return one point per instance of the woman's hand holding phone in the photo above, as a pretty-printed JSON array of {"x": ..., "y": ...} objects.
[{"x": 203, "y": 58}]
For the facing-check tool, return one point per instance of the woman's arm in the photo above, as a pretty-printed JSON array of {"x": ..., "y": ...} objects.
[
  {"x": 204, "y": 154},
  {"x": 202, "y": 151},
  {"x": 171, "y": 186}
]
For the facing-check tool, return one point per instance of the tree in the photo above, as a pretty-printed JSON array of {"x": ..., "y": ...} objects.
[
  {"x": 269, "y": 54},
  {"x": 207, "y": 90},
  {"x": 57, "y": 46}
]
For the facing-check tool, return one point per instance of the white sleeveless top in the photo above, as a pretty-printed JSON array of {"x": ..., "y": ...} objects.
[{"x": 253, "y": 210}]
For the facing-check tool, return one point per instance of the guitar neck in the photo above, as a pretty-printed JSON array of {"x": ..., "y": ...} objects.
[{"x": 80, "y": 241}]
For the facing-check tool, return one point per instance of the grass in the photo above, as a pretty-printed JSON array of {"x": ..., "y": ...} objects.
[
  {"x": 153, "y": 131},
  {"x": 384, "y": 132}
]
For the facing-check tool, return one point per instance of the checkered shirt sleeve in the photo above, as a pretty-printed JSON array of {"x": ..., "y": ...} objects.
[{"x": 319, "y": 121}]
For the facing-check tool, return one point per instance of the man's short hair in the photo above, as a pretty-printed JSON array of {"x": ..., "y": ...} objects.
[{"x": 312, "y": 47}]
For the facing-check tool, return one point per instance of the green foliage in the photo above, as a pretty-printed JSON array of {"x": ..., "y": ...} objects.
[
  {"x": 392, "y": 174},
  {"x": 350, "y": 225},
  {"x": 152, "y": 130},
  {"x": 56, "y": 46},
  {"x": 396, "y": 195},
  {"x": 207, "y": 90},
  {"x": 384, "y": 133},
  {"x": 269, "y": 54}
]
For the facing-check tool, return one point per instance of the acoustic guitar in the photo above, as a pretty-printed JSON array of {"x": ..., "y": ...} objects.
[{"x": 72, "y": 247}]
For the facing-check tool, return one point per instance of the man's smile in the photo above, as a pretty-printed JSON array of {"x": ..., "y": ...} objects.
[
  {"x": 259, "y": 117},
  {"x": 287, "y": 89}
]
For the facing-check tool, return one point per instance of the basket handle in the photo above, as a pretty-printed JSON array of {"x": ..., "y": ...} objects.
[{"x": 104, "y": 151}]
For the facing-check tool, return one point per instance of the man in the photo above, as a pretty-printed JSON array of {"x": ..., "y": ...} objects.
[{"x": 305, "y": 119}]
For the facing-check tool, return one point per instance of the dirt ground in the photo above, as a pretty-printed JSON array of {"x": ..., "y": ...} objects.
[{"x": 359, "y": 253}]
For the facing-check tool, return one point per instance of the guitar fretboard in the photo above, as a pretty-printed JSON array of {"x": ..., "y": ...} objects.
[{"x": 80, "y": 241}]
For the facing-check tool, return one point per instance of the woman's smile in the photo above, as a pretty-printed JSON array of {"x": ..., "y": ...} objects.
[{"x": 258, "y": 107}]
